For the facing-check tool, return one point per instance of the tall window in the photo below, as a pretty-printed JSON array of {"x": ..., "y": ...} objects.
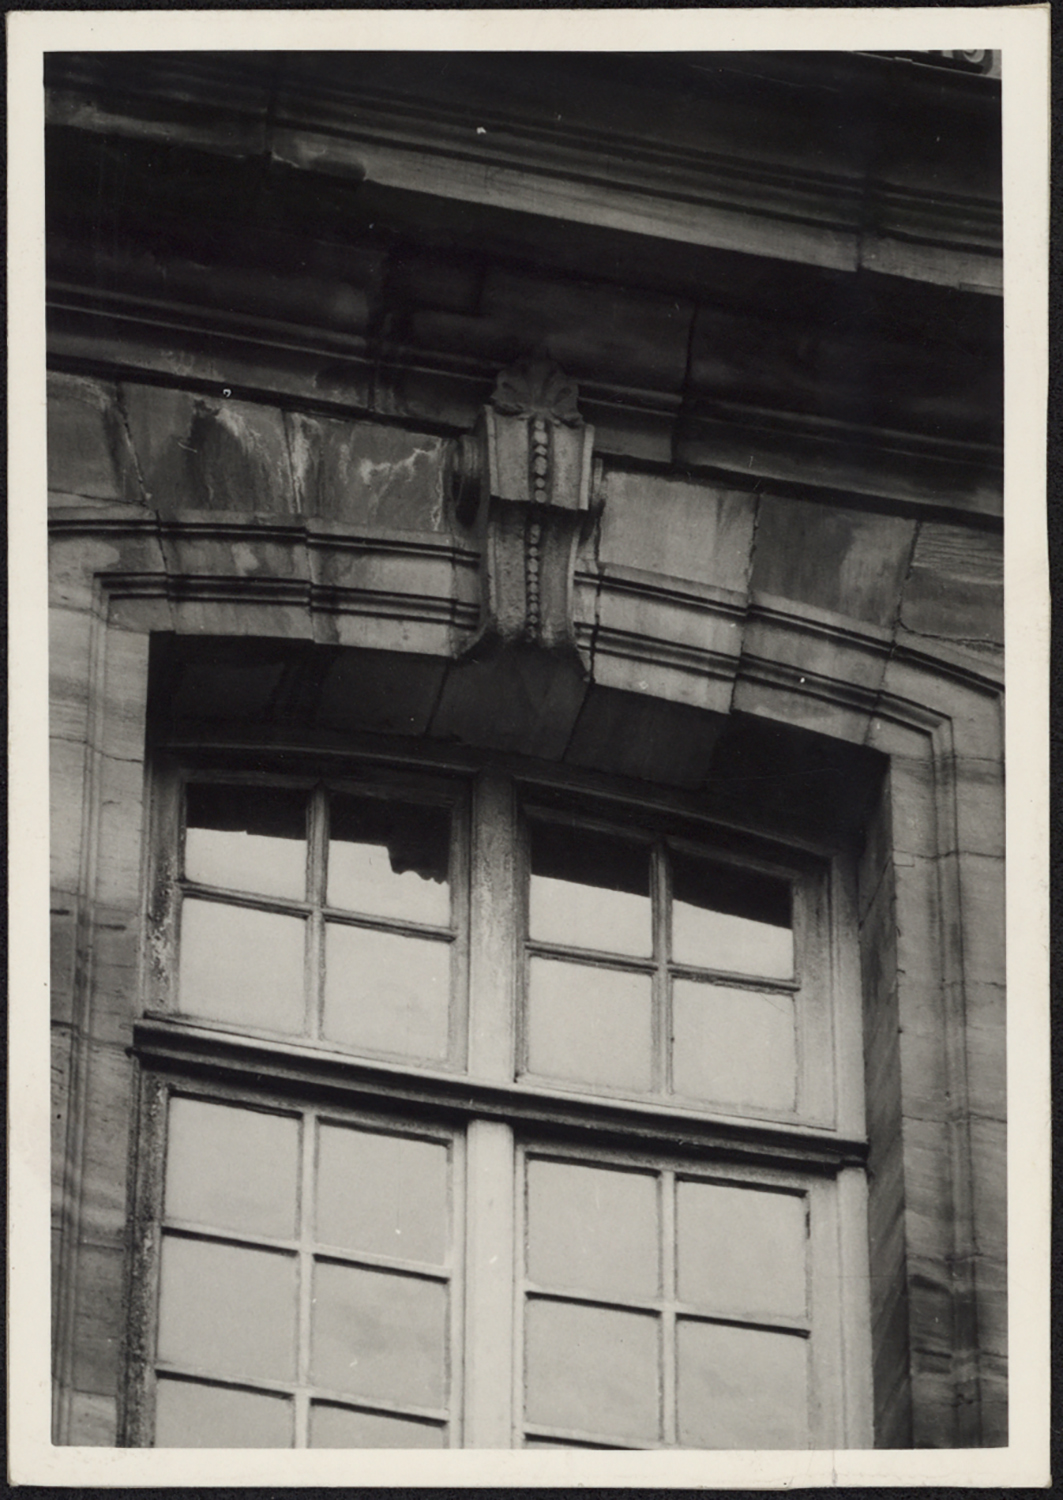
[{"x": 478, "y": 1115}]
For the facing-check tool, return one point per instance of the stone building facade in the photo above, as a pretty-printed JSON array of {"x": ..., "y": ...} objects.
[{"x": 607, "y": 449}]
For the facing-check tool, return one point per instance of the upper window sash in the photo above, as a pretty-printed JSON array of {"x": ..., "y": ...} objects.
[
  {"x": 334, "y": 913},
  {"x": 660, "y": 966}
]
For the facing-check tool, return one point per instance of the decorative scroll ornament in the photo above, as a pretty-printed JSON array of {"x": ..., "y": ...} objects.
[{"x": 523, "y": 479}]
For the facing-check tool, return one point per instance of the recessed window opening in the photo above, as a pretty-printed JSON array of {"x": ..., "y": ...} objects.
[{"x": 458, "y": 1034}]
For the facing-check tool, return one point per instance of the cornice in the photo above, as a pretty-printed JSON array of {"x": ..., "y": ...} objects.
[{"x": 763, "y": 197}]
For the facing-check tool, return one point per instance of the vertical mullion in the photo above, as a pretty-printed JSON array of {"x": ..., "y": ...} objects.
[
  {"x": 316, "y": 876},
  {"x": 662, "y": 1004},
  {"x": 306, "y": 1271},
  {"x": 492, "y": 934},
  {"x": 669, "y": 1295},
  {"x": 489, "y": 1273}
]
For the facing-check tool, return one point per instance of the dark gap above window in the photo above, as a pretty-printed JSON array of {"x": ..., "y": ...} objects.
[
  {"x": 731, "y": 890},
  {"x": 587, "y": 857},
  {"x": 417, "y": 838},
  {"x": 266, "y": 811}
]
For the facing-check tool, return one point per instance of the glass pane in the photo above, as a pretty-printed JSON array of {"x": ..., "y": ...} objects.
[
  {"x": 387, "y": 992},
  {"x": 247, "y": 838},
  {"x": 227, "y": 1310},
  {"x": 242, "y": 966},
  {"x": 341, "y": 1427},
  {"x": 733, "y": 1046},
  {"x": 592, "y": 1026},
  {"x": 190, "y": 1415},
  {"x": 727, "y": 918},
  {"x": 379, "y": 1335},
  {"x": 589, "y": 890},
  {"x": 232, "y": 1168},
  {"x": 592, "y": 1229},
  {"x": 592, "y": 1369},
  {"x": 741, "y": 1387},
  {"x": 741, "y": 1251},
  {"x": 389, "y": 859},
  {"x": 383, "y": 1194}
]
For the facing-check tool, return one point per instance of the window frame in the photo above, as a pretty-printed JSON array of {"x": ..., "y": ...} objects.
[
  {"x": 480, "y": 1093},
  {"x": 150, "y": 1225},
  {"x": 815, "y": 996},
  {"x": 170, "y": 888}
]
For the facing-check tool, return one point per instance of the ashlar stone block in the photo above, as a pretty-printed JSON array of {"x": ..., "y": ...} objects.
[{"x": 848, "y": 561}]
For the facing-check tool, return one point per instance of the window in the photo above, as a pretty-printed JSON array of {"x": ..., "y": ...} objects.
[{"x": 479, "y": 1114}]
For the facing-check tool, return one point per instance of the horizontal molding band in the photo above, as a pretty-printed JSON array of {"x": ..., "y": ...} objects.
[
  {"x": 121, "y": 339},
  {"x": 297, "y": 584},
  {"x": 170, "y": 1044}
]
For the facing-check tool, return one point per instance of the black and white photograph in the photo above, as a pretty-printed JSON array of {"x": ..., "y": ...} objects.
[{"x": 525, "y": 647}]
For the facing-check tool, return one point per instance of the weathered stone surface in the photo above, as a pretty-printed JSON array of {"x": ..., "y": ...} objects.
[
  {"x": 60, "y": 1107},
  {"x": 850, "y": 562},
  {"x": 927, "y": 1191},
  {"x": 67, "y": 770},
  {"x": 82, "y": 555},
  {"x": 991, "y": 1285},
  {"x": 88, "y": 447},
  {"x": 116, "y": 998},
  {"x": 801, "y": 707},
  {"x": 93, "y": 1420},
  {"x": 118, "y": 841},
  {"x": 209, "y": 453},
  {"x": 628, "y": 429},
  {"x": 69, "y": 652},
  {"x": 419, "y": 279},
  {"x": 107, "y": 1105},
  {"x": 927, "y": 1086},
  {"x": 99, "y": 1319},
  {"x": 63, "y": 950},
  {"x": 987, "y": 1081},
  {"x": 664, "y": 637},
  {"x": 994, "y": 1403},
  {"x": 521, "y": 701},
  {"x": 955, "y": 587},
  {"x": 932, "y": 1332},
  {"x": 803, "y": 664},
  {"x": 230, "y": 546},
  {"x": 366, "y": 474},
  {"x": 640, "y": 338},
  {"x": 383, "y": 694},
  {"x": 125, "y": 688},
  {"x": 385, "y": 597},
  {"x": 634, "y": 734},
  {"x": 984, "y": 1004},
  {"x": 919, "y": 913},
  {"x": 225, "y": 683},
  {"x": 982, "y": 905},
  {"x": 677, "y": 528},
  {"x": 975, "y": 713},
  {"x": 242, "y": 616},
  {"x": 989, "y": 1161},
  {"x": 976, "y": 788}
]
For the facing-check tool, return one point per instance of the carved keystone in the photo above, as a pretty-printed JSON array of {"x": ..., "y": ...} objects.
[{"x": 523, "y": 480}]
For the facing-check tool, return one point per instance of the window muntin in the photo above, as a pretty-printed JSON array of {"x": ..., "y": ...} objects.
[
  {"x": 692, "y": 989},
  {"x": 650, "y": 1318},
  {"x": 273, "y": 1269},
  {"x": 680, "y": 1335},
  {"x": 324, "y": 914}
]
